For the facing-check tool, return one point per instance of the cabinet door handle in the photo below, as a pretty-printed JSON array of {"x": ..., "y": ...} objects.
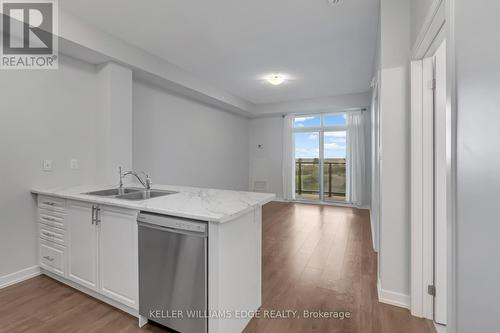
[
  {"x": 93, "y": 214},
  {"x": 97, "y": 215},
  {"x": 47, "y": 234},
  {"x": 49, "y": 219},
  {"x": 49, "y": 258}
]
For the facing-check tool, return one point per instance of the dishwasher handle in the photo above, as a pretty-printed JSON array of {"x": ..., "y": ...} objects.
[
  {"x": 174, "y": 230},
  {"x": 172, "y": 222}
]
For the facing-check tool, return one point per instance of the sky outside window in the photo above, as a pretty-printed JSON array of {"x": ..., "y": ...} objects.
[
  {"x": 307, "y": 145},
  {"x": 335, "y": 144},
  {"x": 338, "y": 119},
  {"x": 307, "y": 121}
]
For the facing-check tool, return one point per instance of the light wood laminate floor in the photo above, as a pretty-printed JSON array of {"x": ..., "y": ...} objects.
[
  {"x": 321, "y": 258},
  {"x": 314, "y": 258}
]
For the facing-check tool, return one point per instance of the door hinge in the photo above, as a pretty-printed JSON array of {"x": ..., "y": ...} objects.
[
  {"x": 432, "y": 84},
  {"x": 431, "y": 290}
]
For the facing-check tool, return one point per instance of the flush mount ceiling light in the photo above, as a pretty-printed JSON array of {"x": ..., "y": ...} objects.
[{"x": 275, "y": 79}]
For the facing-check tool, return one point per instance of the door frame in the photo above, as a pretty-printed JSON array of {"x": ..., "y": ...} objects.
[
  {"x": 438, "y": 27},
  {"x": 376, "y": 161},
  {"x": 422, "y": 187}
]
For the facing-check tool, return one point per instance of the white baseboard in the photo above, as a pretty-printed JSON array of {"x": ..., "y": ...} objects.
[
  {"x": 321, "y": 203},
  {"x": 16, "y": 277},
  {"x": 393, "y": 298},
  {"x": 95, "y": 294}
]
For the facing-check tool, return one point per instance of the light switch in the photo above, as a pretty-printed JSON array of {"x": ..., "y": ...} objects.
[
  {"x": 47, "y": 165},
  {"x": 73, "y": 163}
]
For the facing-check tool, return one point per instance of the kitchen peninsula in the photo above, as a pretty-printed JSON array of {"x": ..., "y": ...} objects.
[{"x": 91, "y": 242}]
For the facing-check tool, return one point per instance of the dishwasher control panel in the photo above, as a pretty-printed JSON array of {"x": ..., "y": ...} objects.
[{"x": 173, "y": 222}]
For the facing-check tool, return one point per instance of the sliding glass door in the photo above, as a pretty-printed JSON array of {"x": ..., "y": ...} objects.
[
  {"x": 334, "y": 165},
  {"x": 320, "y": 143},
  {"x": 307, "y": 165}
]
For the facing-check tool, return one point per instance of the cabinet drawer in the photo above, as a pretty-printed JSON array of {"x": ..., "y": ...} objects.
[
  {"x": 51, "y": 204},
  {"x": 52, "y": 234},
  {"x": 52, "y": 257},
  {"x": 53, "y": 219}
]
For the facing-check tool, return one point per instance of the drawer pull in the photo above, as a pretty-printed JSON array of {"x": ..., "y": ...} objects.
[
  {"x": 49, "y": 219},
  {"x": 49, "y": 258},
  {"x": 47, "y": 234},
  {"x": 49, "y": 203}
]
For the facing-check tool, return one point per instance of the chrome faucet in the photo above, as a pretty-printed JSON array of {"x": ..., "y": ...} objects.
[
  {"x": 121, "y": 176},
  {"x": 146, "y": 182}
]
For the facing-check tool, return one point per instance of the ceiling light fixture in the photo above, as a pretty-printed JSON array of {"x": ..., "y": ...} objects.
[
  {"x": 332, "y": 2},
  {"x": 275, "y": 79}
]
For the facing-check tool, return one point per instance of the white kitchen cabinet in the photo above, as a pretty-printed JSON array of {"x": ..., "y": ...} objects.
[
  {"x": 118, "y": 255},
  {"x": 103, "y": 251},
  {"x": 82, "y": 244},
  {"x": 52, "y": 235},
  {"x": 51, "y": 257}
]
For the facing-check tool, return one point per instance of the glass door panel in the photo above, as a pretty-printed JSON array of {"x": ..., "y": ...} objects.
[
  {"x": 307, "y": 165},
  {"x": 334, "y": 167}
]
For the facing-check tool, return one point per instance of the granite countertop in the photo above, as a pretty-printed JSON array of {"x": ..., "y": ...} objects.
[{"x": 190, "y": 202}]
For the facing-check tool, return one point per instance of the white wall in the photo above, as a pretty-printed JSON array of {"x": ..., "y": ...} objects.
[
  {"x": 45, "y": 114},
  {"x": 478, "y": 165},
  {"x": 182, "y": 142},
  {"x": 115, "y": 121},
  {"x": 266, "y": 162},
  {"x": 419, "y": 10},
  {"x": 394, "y": 251}
]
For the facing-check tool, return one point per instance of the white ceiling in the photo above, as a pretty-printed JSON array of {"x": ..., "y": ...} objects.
[{"x": 328, "y": 50}]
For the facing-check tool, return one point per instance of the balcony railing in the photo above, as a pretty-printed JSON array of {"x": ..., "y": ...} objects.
[{"x": 307, "y": 178}]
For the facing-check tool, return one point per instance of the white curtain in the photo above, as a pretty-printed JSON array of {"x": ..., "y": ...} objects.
[
  {"x": 356, "y": 157},
  {"x": 288, "y": 159}
]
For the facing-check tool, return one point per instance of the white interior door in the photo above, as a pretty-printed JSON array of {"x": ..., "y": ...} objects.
[
  {"x": 430, "y": 186},
  {"x": 428, "y": 183},
  {"x": 441, "y": 181}
]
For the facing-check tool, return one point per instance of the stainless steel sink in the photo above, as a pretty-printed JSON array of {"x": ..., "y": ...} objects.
[
  {"x": 144, "y": 195},
  {"x": 130, "y": 193},
  {"x": 114, "y": 191}
]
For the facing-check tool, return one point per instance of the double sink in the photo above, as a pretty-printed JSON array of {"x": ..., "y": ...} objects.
[{"x": 130, "y": 193}]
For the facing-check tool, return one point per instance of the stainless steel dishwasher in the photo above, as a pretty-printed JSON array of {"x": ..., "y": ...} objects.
[{"x": 173, "y": 272}]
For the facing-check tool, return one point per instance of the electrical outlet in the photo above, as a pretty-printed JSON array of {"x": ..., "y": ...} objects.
[
  {"x": 73, "y": 163},
  {"x": 47, "y": 165}
]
